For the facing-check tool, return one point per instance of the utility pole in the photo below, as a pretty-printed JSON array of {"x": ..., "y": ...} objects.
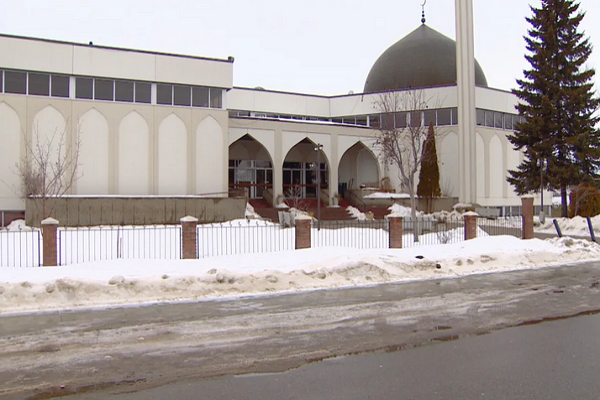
[{"x": 318, "y": 149}]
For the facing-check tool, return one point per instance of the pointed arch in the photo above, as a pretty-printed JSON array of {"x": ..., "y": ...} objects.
[
  {"x": 300, "y": 167},
  {"x": 93, "y": 157},
  {"x": 248, "y": 147},
  {"x": 172, "y": 156},
  {"x": 10, "y": 139},
  {"x": 211, "y": 156},
  {"x": 359, "y": 165},
  {"x": 250, "y": 166},
  {"x": 49, "y": 129},
  {"x": 304, "y": 150},
  {"x": 133, "y": 152}
]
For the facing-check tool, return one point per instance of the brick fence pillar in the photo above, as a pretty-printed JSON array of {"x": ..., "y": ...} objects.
[
  {"x": 188, "y": 237},
  {"x": 470, "y": 225},
  {"x": 396, "y": 232},
  {"x": 50, "y": 253},
  {"x": 303, "y": 231},
  {"x": 527, "y": 217}
]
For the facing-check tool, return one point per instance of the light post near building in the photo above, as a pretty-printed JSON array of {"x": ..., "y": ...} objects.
[{"x": 318, "y": 148}]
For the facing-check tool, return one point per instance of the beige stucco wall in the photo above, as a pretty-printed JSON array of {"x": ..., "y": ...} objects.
[
  {"x": 74, "y": 59},
  {"x": 126, "y": 148}
]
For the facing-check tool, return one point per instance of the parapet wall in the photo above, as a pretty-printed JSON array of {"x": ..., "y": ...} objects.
[{"x": 92, "y": 211}]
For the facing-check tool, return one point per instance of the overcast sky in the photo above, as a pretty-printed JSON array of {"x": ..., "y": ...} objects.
[{"x": 309, "y": 46}]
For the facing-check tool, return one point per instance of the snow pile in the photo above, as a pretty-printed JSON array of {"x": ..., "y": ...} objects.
[
  {"x": 107, "y": 283},
  {"x": 282, "y": 206},
  {"x": 297, "y": 212},
  {"x": 17, "y": 225},
  {"x": 387, "y": 195},
  {"x": 403, "y": 211},
  {"x": 444, "y": 216},
  {"x": 250, "y": 213},
  {"x": 462, "y": 206},
  {"x": 356, "y": 213}
]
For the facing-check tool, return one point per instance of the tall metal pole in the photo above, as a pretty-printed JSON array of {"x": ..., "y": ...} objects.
[
  {"x": 542, "y": 215},
  {"x": 465, "y": 79},
  {"x": 318, "y": 148}
]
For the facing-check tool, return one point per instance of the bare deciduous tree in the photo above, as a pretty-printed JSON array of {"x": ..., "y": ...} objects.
[
  {"x": 295, "y": 195},
  {"x": 48, "y": 169},
  {"x": 401, "y": 137}
]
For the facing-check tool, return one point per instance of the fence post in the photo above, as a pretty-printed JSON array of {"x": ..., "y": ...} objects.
[
  {"x": 527, "y": 216},
  {"x": 303, "y": 231},
  {"x": 188, "y": 237},
  {"x": 396, "y": 233},
  {"x": 470, "y": 225},
  {"x": 50, "y": 253}
]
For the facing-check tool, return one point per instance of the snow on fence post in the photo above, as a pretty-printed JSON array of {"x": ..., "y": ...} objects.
[
  {"x": 470, "y": 225},
  {"x": 303, "y": 231},
  {"x": 50, "y": 253},
  {"x": 188, "y": 237},
  {"x": 527, "y": 217},
  {"x": 395, "y": 221}
]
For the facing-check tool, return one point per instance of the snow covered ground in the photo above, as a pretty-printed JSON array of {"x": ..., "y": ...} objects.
[
  {"x": 137, "y": 281},
  {"x": 576, "y": 226}
]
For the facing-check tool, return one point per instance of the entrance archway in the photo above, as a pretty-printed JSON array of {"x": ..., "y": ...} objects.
[
  {"x": 250, "y": 167},
  {"x": 301, "y": 168},
  {"x": 358, "y": 168}
]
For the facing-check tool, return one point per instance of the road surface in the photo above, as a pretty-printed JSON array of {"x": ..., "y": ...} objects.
[
  {"x": 553, "y": 361},
  {"x": 136, "y": 348}
]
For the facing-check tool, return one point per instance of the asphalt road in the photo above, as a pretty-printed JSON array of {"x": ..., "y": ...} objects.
[
  {"x": 131, "y": 349},
  {"x": 552, "y": 360}
]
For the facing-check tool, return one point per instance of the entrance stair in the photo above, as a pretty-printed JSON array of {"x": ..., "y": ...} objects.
[{"x": 265, "y": 210}]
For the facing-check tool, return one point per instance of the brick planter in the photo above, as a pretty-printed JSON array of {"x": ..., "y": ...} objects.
[
  {"x": 527, "y": 216},
  {"x": 50, "y": 253},
  {"x": 188, "y": 237},
  {"x": 470, "y": 225},
  {"x": 396, "y": 231},
  {"x": 303, "y": 232}
]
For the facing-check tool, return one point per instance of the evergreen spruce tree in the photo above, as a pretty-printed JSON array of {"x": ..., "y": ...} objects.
[
  {"x": 558, "y": 133},
  {"x": 429, "y": 176}
]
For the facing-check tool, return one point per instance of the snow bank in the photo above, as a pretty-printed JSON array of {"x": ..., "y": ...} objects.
[{"x": 107, "y": 283}]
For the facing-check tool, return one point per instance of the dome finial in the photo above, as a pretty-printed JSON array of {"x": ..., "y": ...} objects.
[{"x": 423, "y": 11}]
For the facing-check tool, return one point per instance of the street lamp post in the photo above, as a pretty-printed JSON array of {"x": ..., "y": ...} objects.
[
  {"x": 542, "y": 215},
  {"x": 318, "y": 148}
]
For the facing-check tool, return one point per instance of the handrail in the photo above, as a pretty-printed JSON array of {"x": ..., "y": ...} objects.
[{"x": 358, "y": 200}]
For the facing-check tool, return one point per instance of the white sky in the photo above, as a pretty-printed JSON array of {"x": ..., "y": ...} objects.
[{"x": 309, "y": 46}]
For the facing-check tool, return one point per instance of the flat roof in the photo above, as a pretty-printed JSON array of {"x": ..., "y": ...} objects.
[{"x": 228, "y": 60}]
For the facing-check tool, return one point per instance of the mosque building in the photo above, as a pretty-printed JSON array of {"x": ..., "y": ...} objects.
[{"x": 170, "y": 125}]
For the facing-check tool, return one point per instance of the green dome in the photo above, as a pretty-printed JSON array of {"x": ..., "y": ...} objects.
[{"x": 424, "y": 58}]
